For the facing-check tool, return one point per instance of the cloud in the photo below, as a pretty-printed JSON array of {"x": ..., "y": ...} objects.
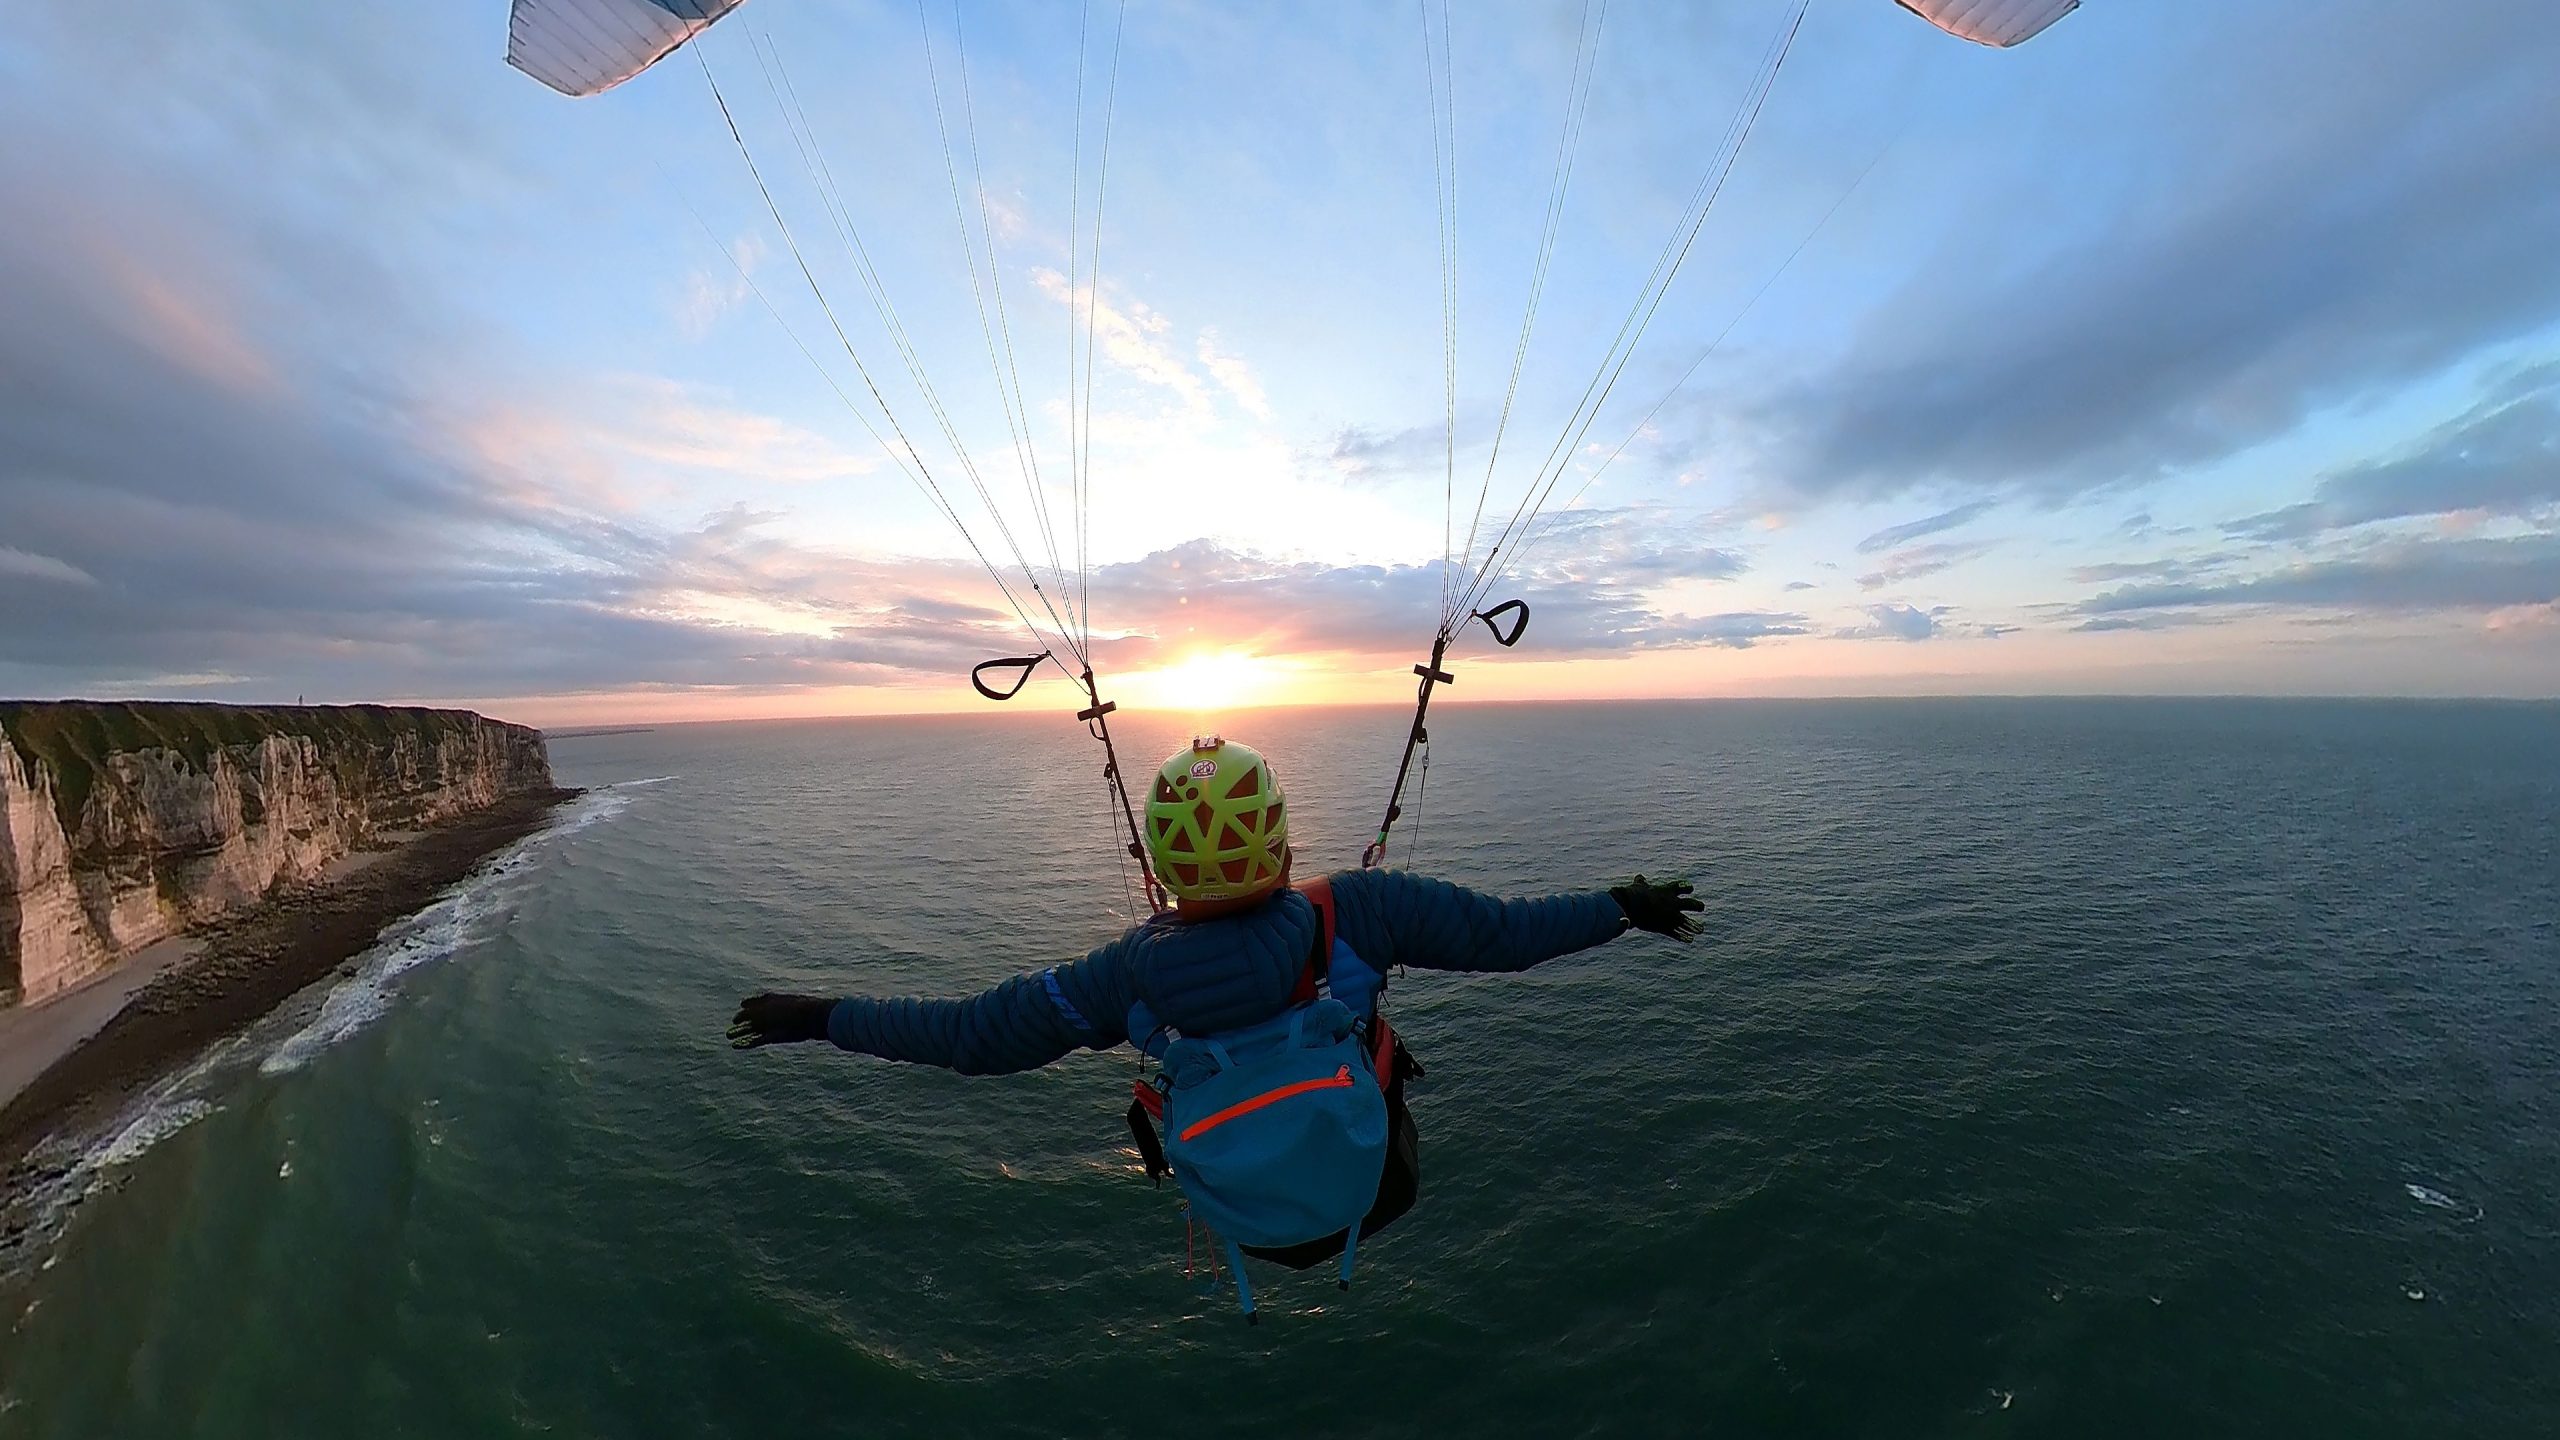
[
  {"x": 249, "y": 447},
  {"x": 711, "y": 294},
  {"x": 27, "y": 565},
  {"x": 2381, "y": 222},
  {"x": 1596, "y": 605},
  {"x": 1634, "y": 545},
  {"x": 1893, "y": 535},
  {"x": 1236, "y": 376},
  {"x": 1896, "y": 622},
  {"x": 1740, "y": 630},
  {"x": 1800, "y": 585},
  {"x": 1362, "y": 450},
  {"x": 1010, "y": 221},
  {"x": 185, "y": 323},
  {"x": 1920, "y": 561},
  {"x": 318, "y": 475},
  {"x": 150, "y": 685},
  {"x": 1911, "y": 624},
  {"x": 664, "y": 422},
  {"x": 2502, "y": 458},
  {"x": 2165, "y": 568},
  {"x": 1131, "y": 336},
  {"x": 2526, "y": 618},
  {"x": 2426, "y": 574},
  {"x": 2166, "y": 620}
]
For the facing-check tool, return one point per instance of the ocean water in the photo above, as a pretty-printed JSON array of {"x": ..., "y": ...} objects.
[{"x": 2074, "y": 1068}]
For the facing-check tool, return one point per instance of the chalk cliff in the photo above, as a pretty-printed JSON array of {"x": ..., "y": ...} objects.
[{"x": 122, "y": 824}]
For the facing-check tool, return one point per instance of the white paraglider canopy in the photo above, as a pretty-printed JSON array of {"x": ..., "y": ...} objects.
[
  {"x": 1991, "y": 22},
  {"x": 586, "y": 47}
]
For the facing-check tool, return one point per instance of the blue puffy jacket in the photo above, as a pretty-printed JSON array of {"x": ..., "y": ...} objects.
[{"x": 1210, "y": 975}]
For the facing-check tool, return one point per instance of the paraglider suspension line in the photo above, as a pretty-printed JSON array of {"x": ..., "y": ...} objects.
[
  {"x": 1095, "y": 716},
  {"x": 1419, "y": 737}
]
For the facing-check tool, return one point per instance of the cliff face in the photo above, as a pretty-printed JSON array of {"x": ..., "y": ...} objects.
[{"x": 122, "y": 824}]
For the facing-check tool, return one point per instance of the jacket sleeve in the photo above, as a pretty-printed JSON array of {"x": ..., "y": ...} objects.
[
  {"x": 1394, "y": 917},
  {"x": 1022, "y": 1024}
]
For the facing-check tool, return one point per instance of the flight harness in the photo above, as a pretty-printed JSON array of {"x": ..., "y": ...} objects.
[{"x": 1384, "y": 1055}]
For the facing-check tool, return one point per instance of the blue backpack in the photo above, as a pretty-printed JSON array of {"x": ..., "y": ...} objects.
[{"x": 1277, "y": 1133}]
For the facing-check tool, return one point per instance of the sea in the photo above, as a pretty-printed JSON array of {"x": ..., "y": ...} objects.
[{"x": 2051, "y": 1067}]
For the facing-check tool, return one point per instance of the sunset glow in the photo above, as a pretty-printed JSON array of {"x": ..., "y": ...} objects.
[
  {"x": 291, "y": 426},
  {"x": 1212, "y": 683}
]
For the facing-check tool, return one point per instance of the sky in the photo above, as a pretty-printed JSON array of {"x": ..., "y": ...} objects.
[{"x": 2196, "y": 346}]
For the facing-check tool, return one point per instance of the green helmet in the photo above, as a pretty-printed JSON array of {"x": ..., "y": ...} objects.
[{"x": 1216, "y": 826}]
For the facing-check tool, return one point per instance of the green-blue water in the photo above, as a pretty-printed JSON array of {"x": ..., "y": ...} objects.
[{"x": 2067, "y": 1068}]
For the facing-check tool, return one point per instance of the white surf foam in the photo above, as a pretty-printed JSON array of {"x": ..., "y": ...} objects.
[
  {"x": 2435, "y": 1199},
  {"x": 456, "y": 923},
  {"x": 439, "y": 932},
  {"x": 467, "y": 917},
  {"x": 76, "y": 1167},
  {"x": 70, "y": 1169},
  {"x": 149, "y": 1128}
]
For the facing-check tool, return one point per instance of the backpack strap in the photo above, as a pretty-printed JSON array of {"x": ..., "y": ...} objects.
[
  {"x": 1149, "y": 1106},
  {"x": 1319, "y": 893},
  {"x": 1244, "y": 1287}
]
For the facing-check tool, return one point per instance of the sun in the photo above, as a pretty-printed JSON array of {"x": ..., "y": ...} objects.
[{"x": 1210, "y": 683}]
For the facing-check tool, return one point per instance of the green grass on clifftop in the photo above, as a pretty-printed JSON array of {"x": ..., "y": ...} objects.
[{"x": 71, "y": 738}]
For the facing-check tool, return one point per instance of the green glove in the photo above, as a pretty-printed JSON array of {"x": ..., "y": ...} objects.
[
  {"x": 1663, "y": 907},
  {"x": 779, "y": 1020}
]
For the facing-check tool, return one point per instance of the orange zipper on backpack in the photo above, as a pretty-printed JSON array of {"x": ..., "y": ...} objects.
[{"x": 1338, "y": 1080}]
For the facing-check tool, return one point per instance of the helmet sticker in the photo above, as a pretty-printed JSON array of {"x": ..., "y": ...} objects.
[{"x": 1204, "y": 769}]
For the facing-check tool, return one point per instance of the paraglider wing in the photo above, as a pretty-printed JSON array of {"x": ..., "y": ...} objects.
[
  {"x": 1991, "y": 22},
  {"x": 586, "y": 47}
]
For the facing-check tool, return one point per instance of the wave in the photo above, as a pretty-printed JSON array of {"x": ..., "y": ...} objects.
[
  {"x": 2433, "y": 1198},
  {"x": 439, "y": 932},
  {"x": 466, "y": 917},
  {"x": 66, "y": 1171},
  {"x": 69, "y": 1170},
  {"x": 150, "y": 1128}
]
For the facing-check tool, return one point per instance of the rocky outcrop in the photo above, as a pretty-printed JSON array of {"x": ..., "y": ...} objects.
[{"x": 122, "y": 824}]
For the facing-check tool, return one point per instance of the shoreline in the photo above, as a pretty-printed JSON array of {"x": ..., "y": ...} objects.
[
  {"x": 159, "y": 1008},
  {"x": 34, "y": 1040}
]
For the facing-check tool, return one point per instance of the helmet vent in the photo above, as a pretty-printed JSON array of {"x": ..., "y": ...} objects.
[
  {"x": 1201, "y": 815},
  {"x": 1271, "y": 820},
  {"x": 1236, "y": 870},
  {"x": 1229, "y": 839},
  {"x": 1250, "y": 782},
  {"x": 1164, "y": 791}
]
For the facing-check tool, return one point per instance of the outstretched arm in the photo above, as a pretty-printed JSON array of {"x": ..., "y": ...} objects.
[
  {"x": 1021, "y": 1024},
  {"x": 1395, "y": 917}
]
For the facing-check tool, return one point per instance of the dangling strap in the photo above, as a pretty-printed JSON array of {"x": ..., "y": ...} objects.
[
  {"x": 1350, "y": 1247},
  {"x": 1150, "y": 1148},
  {"x": 1244, "y": 1287}
]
